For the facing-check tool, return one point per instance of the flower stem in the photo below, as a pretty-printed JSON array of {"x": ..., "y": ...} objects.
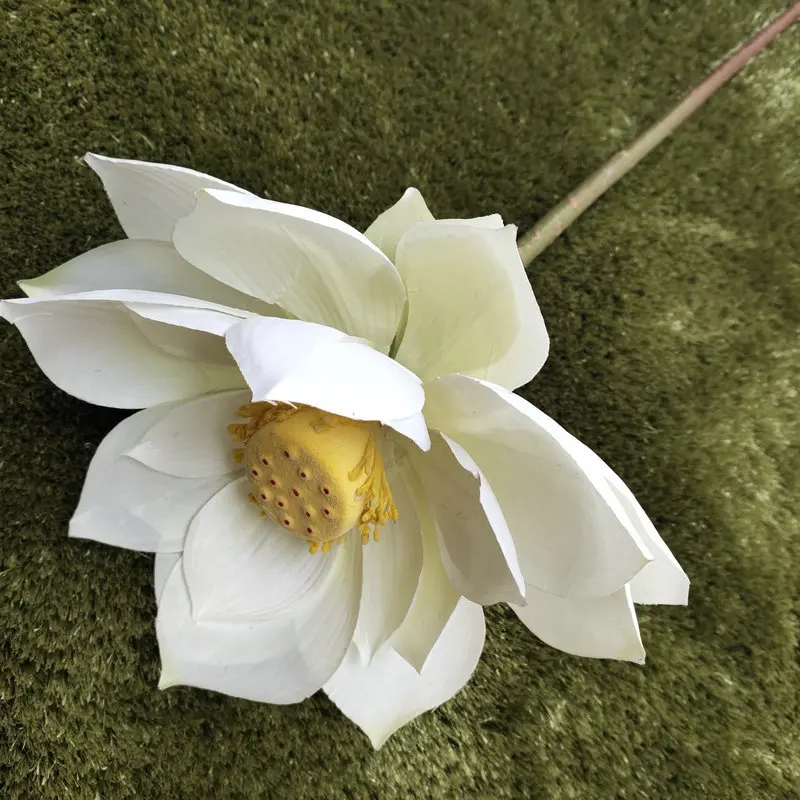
[{"x": 553, "y": 224}]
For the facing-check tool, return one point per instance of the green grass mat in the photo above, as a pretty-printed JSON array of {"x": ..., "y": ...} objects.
[{"x": 673, "y": 308}]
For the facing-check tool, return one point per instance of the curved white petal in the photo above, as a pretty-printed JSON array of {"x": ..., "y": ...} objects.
[
  {"x": 572, "y": 535},
  {"x": 191, "y": 440},
  {"x": 435, "y": 598},
  {"x": 392, "y": 224},
  {"x": 180, "y": 326},
  {"x": 139, "y": 264},
  {"x": 392, "y": 568},
  {"x": 188, "y": 316},
  {"x": 663, "y": 579},
  {"x": 414, "y": 428},
  {"x": 241, "y": 566},
  {"x": 596, "y": 627},
  {"x": 471, "y": 309},
  {"x": 183, "y": 342},
  {"x": 282, "y": 659},
  {"x": 476, "y": 546},
  {"x": 93, "y": 350},
  {"x": 125, "y": 504},
  {"x": 411, "y": 210},
  {"x": 386, "y": 694},
  {"x": 150, "y": 198},
  {"x": 162, "y": 566},
  {"x": 314, "y": 266},
  {"x": 173, "y": 309},
  {"x": 490, "y": 221},
  {"x": 300, "y": 362}
]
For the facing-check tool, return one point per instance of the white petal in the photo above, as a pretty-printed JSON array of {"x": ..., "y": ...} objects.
[
  {"x": 94, "y": 351},
  {"x": 180, "y": 326},
  {"x": 490, "y": 221},
  {"x": 125, "y": 504},
  {"x": 414, "y": 428},
  {"x": 150, "y": 198},
  {"x": 283, "y": 659},
  {"x": 471, "y": 307},
  {"x": 206, "y": 320},
  {"x": 596, "y": 627},
  {"x": 191, "y": 440},
  {"x": 141, "y": 264},
  {"x": 411, "y": 210},
  {"x": 392, "y": 568},
  {"x": 392, "y": 224},
  {"x": 241, "y": 566},
  {"x": 663, "y": 579},
  {"x": 184, "y": 342},
  {"x": 300, "y": 362},
  {"x": 174, "y": 309},
  {"x": 572, "y": 535},
  {"x": 435, "y": 598},
  {"x": 382, "y": 697},
  {"x": 317, "y": 268},
  {"x": 476, "y": 546},
  {"x": 164, "y": 563}
]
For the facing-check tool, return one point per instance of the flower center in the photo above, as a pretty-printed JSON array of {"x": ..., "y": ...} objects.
[{"x": 316, "y": 474}]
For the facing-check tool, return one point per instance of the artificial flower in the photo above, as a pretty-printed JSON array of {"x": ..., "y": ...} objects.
[{"x": 331, "y": 465}]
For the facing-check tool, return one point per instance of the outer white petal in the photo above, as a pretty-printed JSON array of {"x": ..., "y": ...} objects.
[
  {"x": 317, "y": 268},
  {"x": 180, "y": 326},
  {"x": 471, "y": 309},
  {"x": 490, "y": 221},
  {"x": 300, "y": 362},
  {"x": 183, "y": 342},
  {"x": 663, "y": 579},
  {"x": 125, "y": 504},
  {"x": 204, "y": 320},
  {"x": 572, "y": 535},
  {"x": 392, "y": 568},
  {"x": 435, "y": 598},
  {"x": 411, "y": 210},
  {"x": 239, "y": 565},
  {"x": 596, "y": 627},
  {"x": 191, "y": 440},
  {"x": 150, "y": 198},
  {"x": 139, "y": 264},
  {"x": 476, "y": 546},
  {"x": 282, "y": 659},
  {"x": 392, "y": 224},
  {"x": 382, "y": 697},
  {"x": 164, "y": 562},
  {"x": 174, "y": 309},
  {"x": 94, "y": 350}
]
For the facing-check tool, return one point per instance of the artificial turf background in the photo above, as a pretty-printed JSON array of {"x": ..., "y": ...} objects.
[{"x": 673, "y": 308}]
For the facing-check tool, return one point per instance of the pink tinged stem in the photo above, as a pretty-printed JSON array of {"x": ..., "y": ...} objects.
[{"x": 553, "y": 224}]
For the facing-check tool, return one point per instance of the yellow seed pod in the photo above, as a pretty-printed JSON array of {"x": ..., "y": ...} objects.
[{"x": 316, "y": 474}]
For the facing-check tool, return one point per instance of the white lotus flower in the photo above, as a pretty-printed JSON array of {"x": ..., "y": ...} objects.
[{"x": 372, "y": 376}]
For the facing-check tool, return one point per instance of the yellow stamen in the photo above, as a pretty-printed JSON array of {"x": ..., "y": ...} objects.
[{"x": 316, "y": 474}]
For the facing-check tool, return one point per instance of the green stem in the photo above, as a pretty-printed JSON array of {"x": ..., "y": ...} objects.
[{"x": 552, "y": 225}]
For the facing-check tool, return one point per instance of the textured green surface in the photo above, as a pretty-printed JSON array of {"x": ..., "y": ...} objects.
[{"x": 673, "y": 308}]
